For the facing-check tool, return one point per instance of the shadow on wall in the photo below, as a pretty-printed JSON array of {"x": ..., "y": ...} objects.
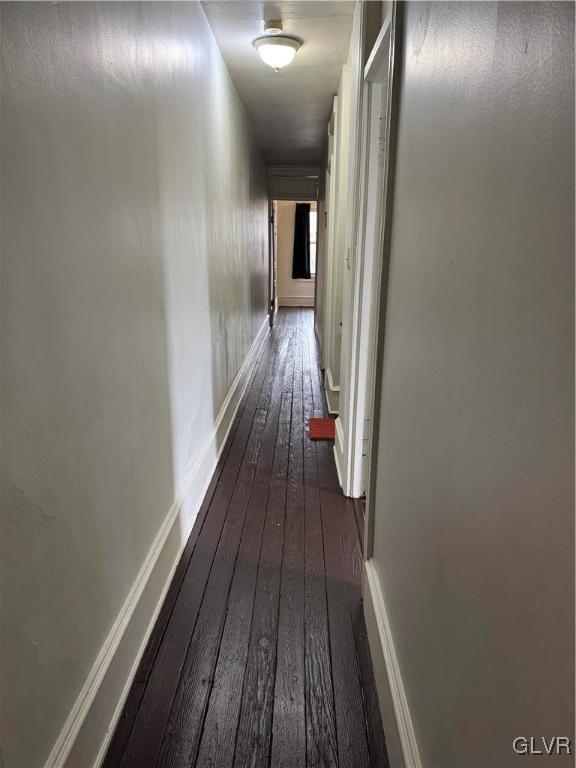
[{"x": 134, "y": 281}]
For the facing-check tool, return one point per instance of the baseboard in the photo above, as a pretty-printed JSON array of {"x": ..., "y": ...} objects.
[
  {"x": 330, "y": 379},
  {"x": 398, "y": 728},
  {"x": 296, "y": 301},
  {"x": 339, "y": 455},
  {"x": 333, "y": 400},
  {"x": 86, "y": 733},
  {"x": 332, "y": 392}
]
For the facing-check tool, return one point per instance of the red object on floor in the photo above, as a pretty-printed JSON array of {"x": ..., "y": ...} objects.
[{"x": 322, "y": 429}]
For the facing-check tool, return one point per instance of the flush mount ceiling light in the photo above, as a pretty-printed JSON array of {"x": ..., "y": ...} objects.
[{"x": 275, "y": 49}]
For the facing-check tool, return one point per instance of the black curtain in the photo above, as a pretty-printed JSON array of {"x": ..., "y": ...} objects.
[{"x": 301, "y": 253}]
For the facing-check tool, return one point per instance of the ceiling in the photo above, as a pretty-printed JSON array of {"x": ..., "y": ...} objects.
[{"x": 289, "y": 109}]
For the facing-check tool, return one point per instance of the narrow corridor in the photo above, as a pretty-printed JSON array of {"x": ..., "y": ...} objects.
[
  {"x": 186, "y": 578},
  {"x": 259, "y": 656}
]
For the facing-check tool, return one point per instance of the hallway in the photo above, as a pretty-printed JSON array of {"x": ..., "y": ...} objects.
[
  {"x": 186, "y": 578},
  {"x": 259, "y": 656}
]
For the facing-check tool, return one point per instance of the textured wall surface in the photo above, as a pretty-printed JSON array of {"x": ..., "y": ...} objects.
[
  {"x": 474, "y": 531},
  {"x": 292, "y": 291},
  {"x": 341, "y": 218},
  {"x": 134, "y": 247}
]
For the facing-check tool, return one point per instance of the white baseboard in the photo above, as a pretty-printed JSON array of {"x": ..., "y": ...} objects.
[
  {"x": 333, "y": 400},
  {"x": 296, "y": 301},
  {"x": 330, "y": 378},
  {"x": 398, "y": 728},
  {"x": 332, "y": 392},
  {"x": 85, "y": 736},
  {"x": 338, "y": 454},
  {"x": 346, "y": 482}
]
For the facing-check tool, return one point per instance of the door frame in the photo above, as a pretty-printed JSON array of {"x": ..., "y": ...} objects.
[
  {"x": 368, "y": 268},
  {"x": 299, "y": 182},
  {"x": 330, "y": 213},
  {"x": 271, "y": 262},
  {"x": 380, "y": 309}
]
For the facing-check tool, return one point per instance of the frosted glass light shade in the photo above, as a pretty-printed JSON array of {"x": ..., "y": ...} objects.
[{"x": 277, "y": 51}]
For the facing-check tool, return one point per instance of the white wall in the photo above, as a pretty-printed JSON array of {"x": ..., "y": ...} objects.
[
  {"x": 474, "y": 498},
  {"x": 134, "y": 249},
  {"x": 291, "y": 293},
  {"x": 293, "y": 182},
  {"x": 334, "y": 253},
  {"x": 342, "y": 218}
]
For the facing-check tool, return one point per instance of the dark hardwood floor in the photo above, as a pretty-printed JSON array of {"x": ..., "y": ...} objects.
[{"x": 259, "y": 656}]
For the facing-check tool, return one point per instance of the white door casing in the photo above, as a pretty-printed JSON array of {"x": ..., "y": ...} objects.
[
  {"x": 362, "y": 300},
  {"x": 329, "y": 248}
]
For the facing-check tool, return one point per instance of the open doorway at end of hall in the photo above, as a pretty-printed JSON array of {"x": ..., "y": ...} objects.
[{"x": 295, "y": 252}]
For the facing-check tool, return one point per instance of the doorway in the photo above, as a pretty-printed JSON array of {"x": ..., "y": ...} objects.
[
  {"x": 296, "y": 184},
  {"x": 295, "y": 223},
  {"x": 367, "y": 294}
]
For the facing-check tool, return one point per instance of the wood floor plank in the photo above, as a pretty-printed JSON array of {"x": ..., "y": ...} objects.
[
  {"x": 219, "y": 735},
  {"x": 183, "y": 733},
  {"x": 124, "y": 725},
  {"x": 255, "y": 723},
  {"x": 289, "y": 719},
  {"x": 130, "y": 710},
  {"x": 320, "y": 712},
  {"x": 376, "y": 740},
  {"x": 343, "y": 578},
  {"x": 343, "y": 563},
  {"x": 184, "y": 725},
  {"x": 144, "y": 743},
  {"x": 154, "y": 642},
  {"x": 259, "y": 657},
  {"x": 145, "y": 738}
]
